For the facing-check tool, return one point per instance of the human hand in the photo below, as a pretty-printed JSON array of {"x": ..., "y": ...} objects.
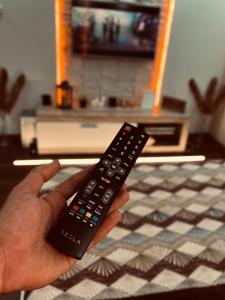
[{"x": 27, "y": 260}]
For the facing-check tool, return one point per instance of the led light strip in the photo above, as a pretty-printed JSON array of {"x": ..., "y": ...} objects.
[{"x": 89, "y": 161}]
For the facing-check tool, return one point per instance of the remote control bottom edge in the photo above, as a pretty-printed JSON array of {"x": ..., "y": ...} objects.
[
  {"x": 66, "y": 240},
  {"x": 63, "y": 250}
]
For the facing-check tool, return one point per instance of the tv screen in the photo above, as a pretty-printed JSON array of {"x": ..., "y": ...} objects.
[{"x": 114, "y": 29}]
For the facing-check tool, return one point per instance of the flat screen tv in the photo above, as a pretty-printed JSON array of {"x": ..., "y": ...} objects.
[{"x": 101, "y": 28}]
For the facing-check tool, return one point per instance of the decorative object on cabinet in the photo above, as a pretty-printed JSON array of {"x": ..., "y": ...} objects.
[
  {"x": 64, "y": 91},
  {"x": 173, "y": 104},
  {"x": 83, "y": 101}
]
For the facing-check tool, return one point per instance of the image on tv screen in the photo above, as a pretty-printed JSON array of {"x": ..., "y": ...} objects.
[{"x": 110, "y": 31}]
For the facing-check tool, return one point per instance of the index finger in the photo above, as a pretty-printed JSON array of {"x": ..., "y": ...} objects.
[
  {"x": 58, "y": 197},
  {"x": 38, "y": 176}
]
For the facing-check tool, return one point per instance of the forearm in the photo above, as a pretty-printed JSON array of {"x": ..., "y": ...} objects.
[{"x": 2, "y": 266}]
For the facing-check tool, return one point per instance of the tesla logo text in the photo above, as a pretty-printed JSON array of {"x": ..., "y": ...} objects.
[{"x": 71, "y": 237}]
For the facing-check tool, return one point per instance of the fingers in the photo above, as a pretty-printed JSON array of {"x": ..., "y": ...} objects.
[
  {"x": 110, "y": 222},
  {"x": 57, "y": 198},
  {"x": 120, "y": 200},
  {"x": 69, "y": 186},
  {"x": 38, "y": 176}
]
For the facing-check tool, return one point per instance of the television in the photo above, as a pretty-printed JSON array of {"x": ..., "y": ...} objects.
[{"x": 101, "y": 28}]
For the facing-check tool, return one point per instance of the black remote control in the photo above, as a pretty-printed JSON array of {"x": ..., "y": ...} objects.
[{"x": 77, "y": 227}]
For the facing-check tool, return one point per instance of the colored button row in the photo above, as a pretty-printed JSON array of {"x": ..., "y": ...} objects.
[{"x": 87, "y": 214}]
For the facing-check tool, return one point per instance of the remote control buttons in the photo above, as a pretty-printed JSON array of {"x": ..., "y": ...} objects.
[
  {"x": 88, "y": 190},
  {"x": 110, "y": 173},
  {"x": 89, "y": 206},
  {"x": 107, "y": 196},
  {"x": 121, "y": 171},
  {"x": 105, "y": 180},
  {"x": 127, "y": 129},
  {"x": 88, "y": 215},
  {"x": 106, "y": 162},
  {"x": 90, "y": 187},
  {"x": 91, "y": 202},
  {"x": 80, "y": 202},
  {"x": 98, "y": 211},
  {"x": 117, "y": 161},
  {"x": 95, "y": 219},
  {"x": 114, "y": 167},
  {"x": 82, "y": 211},
  {"x": 75, "y": 208}
]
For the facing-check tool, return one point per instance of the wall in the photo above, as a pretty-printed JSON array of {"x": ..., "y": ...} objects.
[
  {"x": 197, "y": 50},
  {"x": 27, "y": 44},
  {"x": 125, "y": 79}
]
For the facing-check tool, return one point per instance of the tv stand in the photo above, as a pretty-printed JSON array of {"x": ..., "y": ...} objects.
[{"x": 89, "y": 131}]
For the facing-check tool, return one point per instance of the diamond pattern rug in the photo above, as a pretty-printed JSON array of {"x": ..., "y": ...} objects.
[{"x": 171, "y": 237}]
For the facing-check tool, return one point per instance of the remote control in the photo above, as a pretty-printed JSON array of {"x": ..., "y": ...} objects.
[{"x": 85, "y": 214}]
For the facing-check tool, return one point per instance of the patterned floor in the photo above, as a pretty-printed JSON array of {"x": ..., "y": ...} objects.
[{"x": 172, "y": 236}]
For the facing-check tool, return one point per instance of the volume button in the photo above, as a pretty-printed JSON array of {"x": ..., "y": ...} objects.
[
  {"x": 90, "y": 187},
  {"x": 107, "y": 196}
]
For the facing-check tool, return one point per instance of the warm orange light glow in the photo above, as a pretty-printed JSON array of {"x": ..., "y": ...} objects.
[
  {"x": 60, "y": 45},
  {"x": 161, "y": 53},
  {"x": 156, "y": 110}
]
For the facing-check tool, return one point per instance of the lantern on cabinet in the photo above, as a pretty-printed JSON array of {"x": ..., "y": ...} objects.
[{"x": 64, "y": 94}]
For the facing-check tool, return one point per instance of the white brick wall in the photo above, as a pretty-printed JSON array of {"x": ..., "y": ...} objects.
[{"x": 124, "y": 78}]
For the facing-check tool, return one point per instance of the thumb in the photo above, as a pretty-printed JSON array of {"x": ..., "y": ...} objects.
[{"x": 38, "y": 176}]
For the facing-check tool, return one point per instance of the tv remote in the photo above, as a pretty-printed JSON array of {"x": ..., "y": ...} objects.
[{"x": 85, "y": 214}]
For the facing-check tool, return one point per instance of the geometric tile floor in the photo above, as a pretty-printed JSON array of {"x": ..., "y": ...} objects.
[{"x": 171, "y": 236}]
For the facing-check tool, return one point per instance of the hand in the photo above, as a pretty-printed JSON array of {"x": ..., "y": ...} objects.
[{"x": 28, "y": 261}]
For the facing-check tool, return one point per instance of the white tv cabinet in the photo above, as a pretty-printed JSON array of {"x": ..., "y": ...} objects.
[{"x": 90, "y": 131}]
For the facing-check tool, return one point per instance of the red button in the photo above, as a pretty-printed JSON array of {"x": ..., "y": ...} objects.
[
  {"x": 75, "y": 207},
  {"x": 128, "y": 128}
]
